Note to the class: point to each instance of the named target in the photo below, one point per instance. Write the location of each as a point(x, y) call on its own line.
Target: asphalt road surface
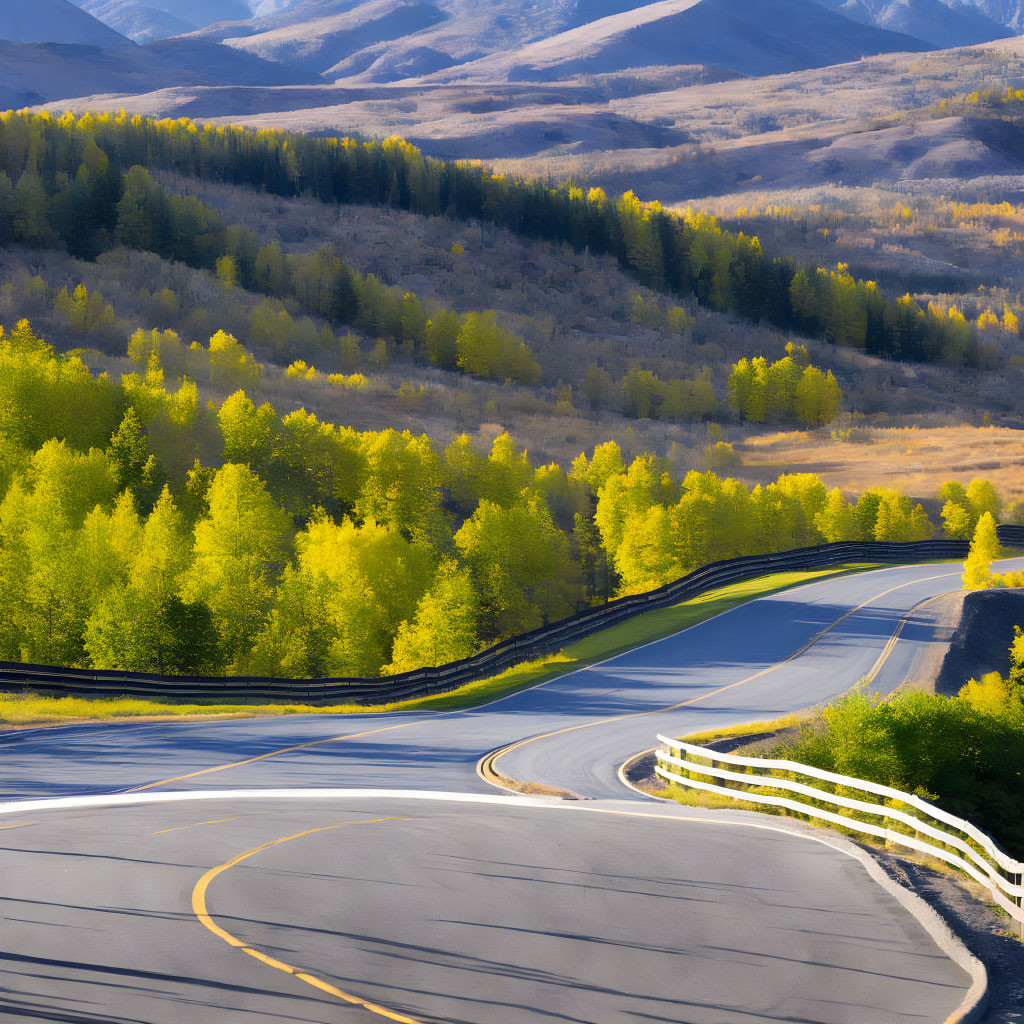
point(296, 907)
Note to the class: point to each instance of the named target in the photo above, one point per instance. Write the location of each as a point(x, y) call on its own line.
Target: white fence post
point(977, 855)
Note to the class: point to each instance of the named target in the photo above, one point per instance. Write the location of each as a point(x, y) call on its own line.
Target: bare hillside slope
point(932, 20)
point(767, 37)
point(54, 21)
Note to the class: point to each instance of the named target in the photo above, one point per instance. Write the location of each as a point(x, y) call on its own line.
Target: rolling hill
point(1007, 12)
point(319, 35)
point(146, 20)
point(36, 73)
point(137, 21)
point(932, 20)
point(54, 21)
point(768, 37)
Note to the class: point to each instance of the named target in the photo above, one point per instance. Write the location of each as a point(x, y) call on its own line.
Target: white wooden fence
point(905, 819)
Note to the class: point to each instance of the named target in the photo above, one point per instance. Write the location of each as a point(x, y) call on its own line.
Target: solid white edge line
point(971, 1008)
point(974, 1004)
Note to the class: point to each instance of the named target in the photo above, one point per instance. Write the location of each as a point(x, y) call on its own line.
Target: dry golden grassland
point(916, 460)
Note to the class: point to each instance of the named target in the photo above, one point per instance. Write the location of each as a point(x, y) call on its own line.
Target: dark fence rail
point(15, 677)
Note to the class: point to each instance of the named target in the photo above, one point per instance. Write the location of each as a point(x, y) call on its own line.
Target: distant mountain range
point(934, 21)
point(221, 58)
point(50, 49)
point(145, 22)
point(395, 40)
point(763, 38)
point(939, 22)
point(54, 21)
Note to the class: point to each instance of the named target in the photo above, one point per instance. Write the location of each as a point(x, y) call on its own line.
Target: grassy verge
point(32, 710)
point(748, 728)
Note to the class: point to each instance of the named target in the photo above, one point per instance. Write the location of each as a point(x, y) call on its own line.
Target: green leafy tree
point(78, 482)
point(106, 546)
point(250, 434)
point(227, 272)
point(50, 613)
point(983, 498)
point(230, 364)
point(647, 556)
point(239, 547)
point(592, 557)
point(899, 520)
point(134, 465)
point(402, 484)
point(442, 334)
point(985, 549)
point(627, 494)
point(711, 520)
point(507, 471)
point(597, 387)
point(464, 471)
point(958, 521)
point(486, 350)
point(837, 521)
point(642, 394)
point(338, 611)
point(143, 219)
point(809, 492)
point(595, 472)
point(443, 629)
point(817, 397)
point(520, 564)
point(31, 223)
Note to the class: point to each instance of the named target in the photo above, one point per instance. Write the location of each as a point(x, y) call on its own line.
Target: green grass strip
point(33, 710)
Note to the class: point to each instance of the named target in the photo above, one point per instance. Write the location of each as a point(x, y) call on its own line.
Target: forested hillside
point(140, 530)
point(69, 180)
point(187, 513)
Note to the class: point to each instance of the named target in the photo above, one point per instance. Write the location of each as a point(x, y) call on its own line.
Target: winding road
point(347, 868)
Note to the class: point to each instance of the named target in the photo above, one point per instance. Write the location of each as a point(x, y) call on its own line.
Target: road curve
point(506, 911)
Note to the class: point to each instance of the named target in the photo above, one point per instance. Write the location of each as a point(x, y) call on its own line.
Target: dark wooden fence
point(423, 682)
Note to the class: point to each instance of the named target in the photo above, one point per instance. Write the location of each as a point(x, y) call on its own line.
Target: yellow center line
point(4, 828)
point(486, 770)
point(894, 639)
point(272, 753)
point(486, 762)
point(201, 912)
point(179, 828)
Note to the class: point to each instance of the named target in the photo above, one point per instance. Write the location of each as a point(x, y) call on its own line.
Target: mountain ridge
point(756, 39)
point(934, 21)
point(55, 21)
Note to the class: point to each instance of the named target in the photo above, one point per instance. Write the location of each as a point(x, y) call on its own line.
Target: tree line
point(65, 179)
point(790, 390)
point(142, 530)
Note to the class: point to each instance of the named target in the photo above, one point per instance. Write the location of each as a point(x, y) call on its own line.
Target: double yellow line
point(487, 769)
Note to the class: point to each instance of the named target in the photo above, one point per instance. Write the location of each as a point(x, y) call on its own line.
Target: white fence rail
point(951, 839)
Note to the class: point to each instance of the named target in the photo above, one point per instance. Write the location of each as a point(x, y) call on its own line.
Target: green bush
point(964, 753)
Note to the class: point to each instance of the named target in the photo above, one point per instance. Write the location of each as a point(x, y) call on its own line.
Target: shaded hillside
point(137, 21)
point(770, 37)
point(940, 151)
point(38, 73)
point(934, 21)
point(956, 147)
point(320, 43)
point(146, 20)
point(1007, 12)
point(54, 21)
point(981, 643)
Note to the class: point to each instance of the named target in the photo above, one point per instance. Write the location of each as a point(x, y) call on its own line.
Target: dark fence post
point(19, 678)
